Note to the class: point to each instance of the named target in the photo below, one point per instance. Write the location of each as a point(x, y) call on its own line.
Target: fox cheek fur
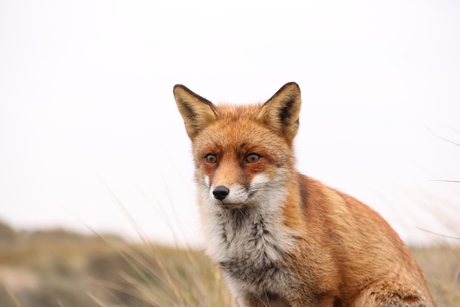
point(231, 182)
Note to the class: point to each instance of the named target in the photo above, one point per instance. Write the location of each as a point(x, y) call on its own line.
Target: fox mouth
point(229, 197)
point(229, 205)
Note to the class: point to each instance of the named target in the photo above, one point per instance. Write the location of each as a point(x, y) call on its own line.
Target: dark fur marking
point(237, 217)
point(244, 270)
point(303, 190)
point(189, 110)
point(269, 296)
point(285, 113)
point(258, 229)
point(224, 234)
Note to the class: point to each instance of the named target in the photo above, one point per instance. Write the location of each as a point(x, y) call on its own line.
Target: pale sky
point(87, 112)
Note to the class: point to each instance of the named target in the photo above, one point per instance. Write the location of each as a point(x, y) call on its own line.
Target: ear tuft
point(281, 112)
point(196, 111)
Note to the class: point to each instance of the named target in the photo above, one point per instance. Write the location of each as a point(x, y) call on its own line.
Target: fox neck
point(254, 234)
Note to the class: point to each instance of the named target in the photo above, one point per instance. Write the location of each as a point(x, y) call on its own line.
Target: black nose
point(220, 192)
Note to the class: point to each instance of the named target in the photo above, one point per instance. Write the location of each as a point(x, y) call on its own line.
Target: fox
point(281, 238)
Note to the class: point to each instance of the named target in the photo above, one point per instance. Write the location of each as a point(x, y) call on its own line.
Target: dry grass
point(173, 277)
point(57, 268)
point(441, 265)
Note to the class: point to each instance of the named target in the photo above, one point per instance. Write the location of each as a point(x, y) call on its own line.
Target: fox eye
point(210, 158)
point(252, 158)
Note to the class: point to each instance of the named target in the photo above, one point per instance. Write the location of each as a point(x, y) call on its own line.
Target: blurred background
point(89, 130)
point(95, 164)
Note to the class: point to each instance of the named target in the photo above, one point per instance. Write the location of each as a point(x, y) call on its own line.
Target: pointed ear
point(196, 111)
point(281, 112)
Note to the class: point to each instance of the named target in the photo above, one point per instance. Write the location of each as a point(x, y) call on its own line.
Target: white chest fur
point(249, 243)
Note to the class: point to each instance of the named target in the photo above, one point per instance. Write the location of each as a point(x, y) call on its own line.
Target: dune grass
point(59, 268)
point(441, 265)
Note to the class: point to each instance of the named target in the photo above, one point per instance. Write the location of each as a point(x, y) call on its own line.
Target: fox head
point(243, 154)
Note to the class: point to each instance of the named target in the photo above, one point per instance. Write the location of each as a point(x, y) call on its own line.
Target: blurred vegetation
point(60, 268)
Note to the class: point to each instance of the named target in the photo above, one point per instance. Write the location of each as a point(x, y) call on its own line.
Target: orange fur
point(281, 238)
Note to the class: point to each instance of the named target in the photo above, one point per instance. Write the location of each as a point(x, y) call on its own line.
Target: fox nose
point(220, 192)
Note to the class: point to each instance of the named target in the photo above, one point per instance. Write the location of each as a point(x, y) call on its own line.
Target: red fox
point(281, 238)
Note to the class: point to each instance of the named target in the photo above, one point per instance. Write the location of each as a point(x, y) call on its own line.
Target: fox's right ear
point(196, 111)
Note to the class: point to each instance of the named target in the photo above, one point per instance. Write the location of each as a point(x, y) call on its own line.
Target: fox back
point(279, 237)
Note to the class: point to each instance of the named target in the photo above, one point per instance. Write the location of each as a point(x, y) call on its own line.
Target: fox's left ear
point(281, 112)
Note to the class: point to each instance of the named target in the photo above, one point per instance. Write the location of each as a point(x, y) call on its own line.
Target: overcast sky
point(88, 120)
